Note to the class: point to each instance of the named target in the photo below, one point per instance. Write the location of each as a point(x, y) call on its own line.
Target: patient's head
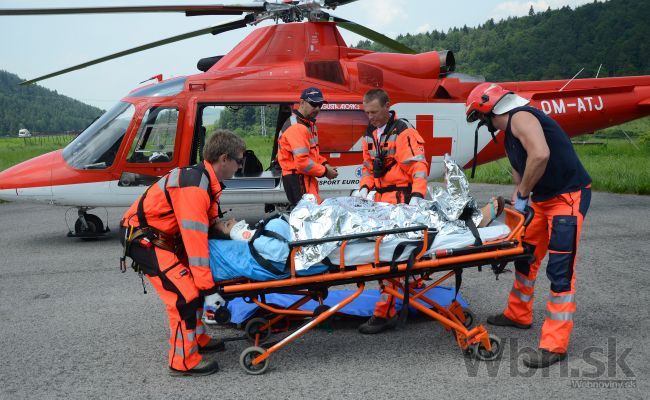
point(220, 229)
point(231, 229)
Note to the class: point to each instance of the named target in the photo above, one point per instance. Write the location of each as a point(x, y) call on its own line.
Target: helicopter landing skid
point(87, 226)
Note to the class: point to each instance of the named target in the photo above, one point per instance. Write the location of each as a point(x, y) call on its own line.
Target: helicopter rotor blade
point(235, 9)
point(369, 34)
point(335, 3)
point(214, 30)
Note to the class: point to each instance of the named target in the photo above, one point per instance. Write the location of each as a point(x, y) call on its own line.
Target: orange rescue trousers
point(171, 278)
point(555, 229)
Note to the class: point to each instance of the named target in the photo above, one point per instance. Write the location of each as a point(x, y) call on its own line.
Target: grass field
point(17, 150)
point(615, 166)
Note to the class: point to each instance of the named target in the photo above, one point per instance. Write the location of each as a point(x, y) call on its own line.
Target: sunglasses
point(315, 105)
point(239, 161)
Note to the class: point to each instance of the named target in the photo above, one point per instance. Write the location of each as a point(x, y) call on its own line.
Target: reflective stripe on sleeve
point(199, 261)
point(365, 173)
point(310, 165)
point(419, 157)
point(300, 150)
point(194, 226)
point(313, 141)
point(419, 174)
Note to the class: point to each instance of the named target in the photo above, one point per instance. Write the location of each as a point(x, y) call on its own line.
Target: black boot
point(502, 320)
point(205, 367)
point(542, 358)
point(214, 345)
point(377, 325)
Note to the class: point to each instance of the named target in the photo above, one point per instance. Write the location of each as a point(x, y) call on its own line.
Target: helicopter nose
point(30, 179)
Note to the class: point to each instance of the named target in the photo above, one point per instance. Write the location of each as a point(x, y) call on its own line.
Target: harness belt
point(394, 188)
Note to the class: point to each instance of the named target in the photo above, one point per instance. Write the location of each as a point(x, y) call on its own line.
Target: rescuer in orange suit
point(549, 176)
point(396, 168)
point(298, 151)
point(166, 235)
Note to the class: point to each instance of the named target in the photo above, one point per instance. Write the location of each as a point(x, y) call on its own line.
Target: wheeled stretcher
point(419, 267)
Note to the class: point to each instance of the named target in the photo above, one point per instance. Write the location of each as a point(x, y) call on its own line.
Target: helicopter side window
point(156, 136)
point(97, 146)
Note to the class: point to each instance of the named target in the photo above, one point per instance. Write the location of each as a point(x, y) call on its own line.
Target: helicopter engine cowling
point(429, 65)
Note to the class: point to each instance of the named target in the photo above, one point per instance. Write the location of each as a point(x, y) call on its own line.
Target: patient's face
point(224, 226)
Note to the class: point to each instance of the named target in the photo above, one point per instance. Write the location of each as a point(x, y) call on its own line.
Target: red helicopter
point(163, 125)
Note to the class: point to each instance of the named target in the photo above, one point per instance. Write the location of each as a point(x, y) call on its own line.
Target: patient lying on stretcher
point(233, 254)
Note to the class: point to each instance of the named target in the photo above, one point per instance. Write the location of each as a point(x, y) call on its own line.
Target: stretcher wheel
point(254, 327)
point(480, 353)
point(469, 318)
point(246, 360)
point(222, 315)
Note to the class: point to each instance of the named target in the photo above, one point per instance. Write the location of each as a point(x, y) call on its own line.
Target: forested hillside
point(38, 109)
point(548, 44)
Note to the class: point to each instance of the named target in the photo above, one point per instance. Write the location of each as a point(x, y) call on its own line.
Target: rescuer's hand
point(331, 172)
point(361, 193)
point(214, 301)
point(521, 203)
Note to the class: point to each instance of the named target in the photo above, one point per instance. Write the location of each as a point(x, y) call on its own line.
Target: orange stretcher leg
point(310, 325)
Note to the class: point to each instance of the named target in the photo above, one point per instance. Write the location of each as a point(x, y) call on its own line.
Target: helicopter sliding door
point(256, 124)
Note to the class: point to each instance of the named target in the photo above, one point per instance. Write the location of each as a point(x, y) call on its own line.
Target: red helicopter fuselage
point(161, 126)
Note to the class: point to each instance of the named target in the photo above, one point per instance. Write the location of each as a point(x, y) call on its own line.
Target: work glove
point(415, 200)
point(213, 301)
point(361, 193)
point(521, 203)
point(371, 195)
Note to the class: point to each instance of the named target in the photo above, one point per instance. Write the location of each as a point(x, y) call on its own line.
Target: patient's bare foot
point(491, 211)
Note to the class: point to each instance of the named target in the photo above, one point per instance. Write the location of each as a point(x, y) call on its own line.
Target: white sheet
point(364, 252)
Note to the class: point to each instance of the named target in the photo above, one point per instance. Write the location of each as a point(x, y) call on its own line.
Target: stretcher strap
point(458, 273)
point(260, 231)
point(466, 216)
point(407, 294)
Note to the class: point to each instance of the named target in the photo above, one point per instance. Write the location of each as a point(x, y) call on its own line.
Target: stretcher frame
point(475, 342)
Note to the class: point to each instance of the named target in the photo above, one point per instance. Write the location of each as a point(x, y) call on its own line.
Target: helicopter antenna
point(571, 80)
point(598, 72)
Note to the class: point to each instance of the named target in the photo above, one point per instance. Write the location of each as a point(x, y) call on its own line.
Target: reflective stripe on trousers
point(555, 230)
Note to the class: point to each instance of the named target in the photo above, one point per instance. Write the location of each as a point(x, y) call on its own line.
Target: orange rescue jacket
point(184, 202)
point(406, 167)
point(298, 150)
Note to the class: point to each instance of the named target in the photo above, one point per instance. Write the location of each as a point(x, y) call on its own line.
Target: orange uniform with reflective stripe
point(406, 175)
point(404, 157)
point(180, 278)
point(555, 229)
point(299, 153)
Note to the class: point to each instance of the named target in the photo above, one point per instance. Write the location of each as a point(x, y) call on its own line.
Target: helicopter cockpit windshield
point(97, 146)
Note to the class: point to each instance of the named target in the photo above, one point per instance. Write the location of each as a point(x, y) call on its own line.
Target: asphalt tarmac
point(74, 327)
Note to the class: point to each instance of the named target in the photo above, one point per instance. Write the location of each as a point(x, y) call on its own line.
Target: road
point(74, 327)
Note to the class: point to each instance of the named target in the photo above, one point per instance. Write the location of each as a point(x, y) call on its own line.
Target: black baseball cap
point(312, 95)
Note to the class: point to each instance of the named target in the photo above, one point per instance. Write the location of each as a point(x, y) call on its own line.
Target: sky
point(36, 45)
